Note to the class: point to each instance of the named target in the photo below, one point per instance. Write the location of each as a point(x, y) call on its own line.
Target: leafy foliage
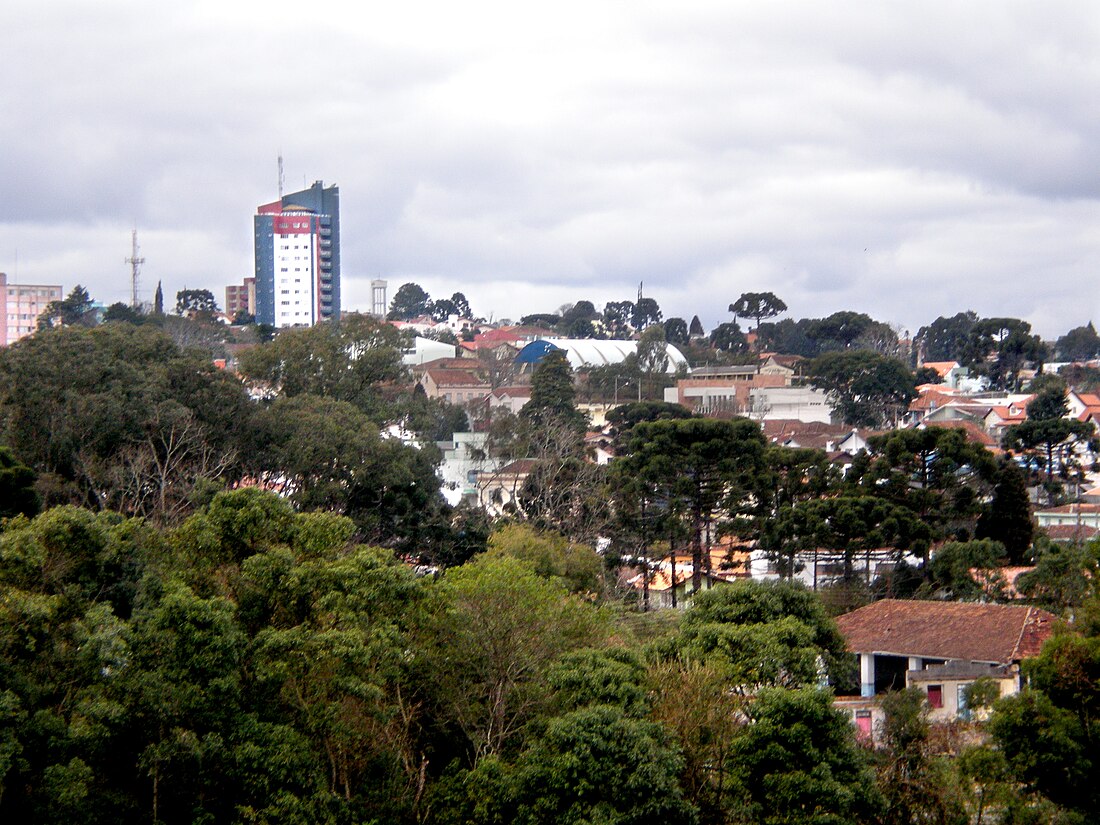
point(758, 306)
point(410, 301)
point(866, 389)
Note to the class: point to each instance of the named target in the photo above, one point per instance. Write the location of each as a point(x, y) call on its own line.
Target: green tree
point(551, 556)
point(122, 313)
point(845, 525)
point(916, 786)
point(76, 309)
point(702, 469)
point(624, 417)
point(1064, 576)
point(79, 406)
point(617, 317)
point(676, 331)
point(946, 339)
point(545, 320)
point(614, 676)
point(773, 634)
point(645, 313)
point(580, 311)
point(798, 762)
point(839, 331)
point(17, 493)
point(1050, 441)
point(195, 302)
point(553, 395)
point(494, 630)
point(599, 765)
point(866, 389)
point(653, 351)
point(348, 362)
point(952, 562)
point(1048, 732)
point(936, 472)
point(462, 306)
point(1079, 344)
point(410, 301)
point(758, 306)
point(1008, 518)
point(1012, 346)
point(727, 338)
point(443, 309)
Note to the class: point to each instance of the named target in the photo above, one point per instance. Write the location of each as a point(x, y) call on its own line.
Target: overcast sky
point(902, 159)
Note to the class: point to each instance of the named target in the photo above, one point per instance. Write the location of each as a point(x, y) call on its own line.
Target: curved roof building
point(589, 352)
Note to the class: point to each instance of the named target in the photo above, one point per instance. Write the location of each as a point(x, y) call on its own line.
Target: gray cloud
point(904, 161)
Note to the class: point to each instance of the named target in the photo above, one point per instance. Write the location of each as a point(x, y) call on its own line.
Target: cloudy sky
point(903, 159)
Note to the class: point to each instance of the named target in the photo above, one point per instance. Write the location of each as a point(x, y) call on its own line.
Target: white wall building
point(789, 403)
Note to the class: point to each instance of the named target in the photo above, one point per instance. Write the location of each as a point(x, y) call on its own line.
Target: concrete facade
point(23, 303)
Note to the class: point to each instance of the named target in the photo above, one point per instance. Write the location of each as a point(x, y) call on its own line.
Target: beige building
point(241, 297)
point(456, 386)
point(23, 303)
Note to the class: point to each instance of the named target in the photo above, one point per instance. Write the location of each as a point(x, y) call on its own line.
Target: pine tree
point(1008, 519)
point(158, 301)
point(553, 396)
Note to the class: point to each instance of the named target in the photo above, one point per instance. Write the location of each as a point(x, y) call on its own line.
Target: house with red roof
point(456, 386)
point(896, 639)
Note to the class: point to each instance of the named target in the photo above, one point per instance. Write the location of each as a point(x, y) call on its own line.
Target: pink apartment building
point(23, 303)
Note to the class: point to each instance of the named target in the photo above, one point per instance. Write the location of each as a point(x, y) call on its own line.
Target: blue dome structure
point(584, 353)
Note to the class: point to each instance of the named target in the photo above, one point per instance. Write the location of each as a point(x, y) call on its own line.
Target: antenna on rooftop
point(135, 269)
point(280, 175)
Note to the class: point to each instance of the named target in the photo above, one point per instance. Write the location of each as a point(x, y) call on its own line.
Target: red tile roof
point(948, 630)
point(1071, 532)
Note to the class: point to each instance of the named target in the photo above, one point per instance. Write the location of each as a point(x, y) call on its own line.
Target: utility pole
point(135, 269)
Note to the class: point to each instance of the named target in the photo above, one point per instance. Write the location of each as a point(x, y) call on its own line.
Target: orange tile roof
point(941, 367)
point(948, 630)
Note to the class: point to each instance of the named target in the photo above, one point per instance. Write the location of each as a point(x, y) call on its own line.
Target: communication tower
point(135, 263)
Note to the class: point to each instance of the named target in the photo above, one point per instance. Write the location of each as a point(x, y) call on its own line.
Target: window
point(964, 711)
point(863, 725)
point(935, 696)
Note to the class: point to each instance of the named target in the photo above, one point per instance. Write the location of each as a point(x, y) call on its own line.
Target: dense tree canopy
point(410, 301)
point(703, 471)
point(345, 362)
point(866, 389)
point(1079, 344)
point(87, 409)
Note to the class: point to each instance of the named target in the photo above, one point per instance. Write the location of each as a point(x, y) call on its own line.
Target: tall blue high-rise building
point(298, 258)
